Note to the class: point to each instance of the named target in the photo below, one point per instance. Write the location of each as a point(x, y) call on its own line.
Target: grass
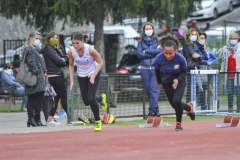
point(14, 108)
point(166, 119)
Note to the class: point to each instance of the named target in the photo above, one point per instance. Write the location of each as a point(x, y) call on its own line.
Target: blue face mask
point(37, 42)
point(233, 42)
point(193, 38)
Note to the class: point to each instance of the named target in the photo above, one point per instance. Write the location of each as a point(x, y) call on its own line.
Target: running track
point(200, 140)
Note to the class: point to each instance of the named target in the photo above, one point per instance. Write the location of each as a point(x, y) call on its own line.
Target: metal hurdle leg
point(194, 74)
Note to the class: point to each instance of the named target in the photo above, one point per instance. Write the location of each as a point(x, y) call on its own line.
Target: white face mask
point(149, 33)
point(9, 71)
point(233, 42)
point(37, 42)
point(193, 38)
point(202, 41)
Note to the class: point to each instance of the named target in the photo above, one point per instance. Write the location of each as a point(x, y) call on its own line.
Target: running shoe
point(190, 113)
point(54, 122)
point(178, 127)
point(85, 119)
point(104, 102)
point(98, 126)
point(56, 115)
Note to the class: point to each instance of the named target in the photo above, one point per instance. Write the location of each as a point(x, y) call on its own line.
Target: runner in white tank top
point(89, 64)
point(85, 63)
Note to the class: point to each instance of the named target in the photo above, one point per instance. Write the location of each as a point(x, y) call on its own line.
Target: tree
point(94, 11)
point(37, 13)
point(42, 14)
point(167, 12)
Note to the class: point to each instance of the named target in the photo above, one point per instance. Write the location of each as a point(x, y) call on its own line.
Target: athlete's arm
point(96, 56)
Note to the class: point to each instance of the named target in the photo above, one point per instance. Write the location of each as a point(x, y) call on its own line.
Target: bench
point(7, 94)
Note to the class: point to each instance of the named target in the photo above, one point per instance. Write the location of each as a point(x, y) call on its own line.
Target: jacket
point(53, 60)
point(36, 66)
point(147, 53)
point(225, 54)
point(188, 50)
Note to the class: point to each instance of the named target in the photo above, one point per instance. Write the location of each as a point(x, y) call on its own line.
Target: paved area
point(16, 122)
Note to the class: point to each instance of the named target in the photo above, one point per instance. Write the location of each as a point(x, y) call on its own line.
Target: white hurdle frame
point(194, 74)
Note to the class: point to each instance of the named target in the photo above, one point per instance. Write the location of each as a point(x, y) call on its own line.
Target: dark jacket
point(147, 58)
point(36, 66)
point(188, 50)
point(53, 60)
point(204, 56)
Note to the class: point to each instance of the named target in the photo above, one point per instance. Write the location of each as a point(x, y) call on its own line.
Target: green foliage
point(169, 13)
point(42, 14)
point(37, 13)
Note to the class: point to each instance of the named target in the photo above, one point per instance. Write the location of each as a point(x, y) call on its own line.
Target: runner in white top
point(89, 64)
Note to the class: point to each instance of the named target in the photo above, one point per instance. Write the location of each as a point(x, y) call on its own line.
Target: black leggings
point(60, 88)
point(88, 92)
point(175, 98)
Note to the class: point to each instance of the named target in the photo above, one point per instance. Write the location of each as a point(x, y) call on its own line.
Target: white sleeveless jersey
point(85, 64)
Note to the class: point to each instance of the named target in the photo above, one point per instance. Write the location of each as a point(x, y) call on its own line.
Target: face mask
point(54, 41)
point(9, 71)
point(37, 42)
point(193, 38)
point(148, 32)
point(233, 42)
point(202, 41)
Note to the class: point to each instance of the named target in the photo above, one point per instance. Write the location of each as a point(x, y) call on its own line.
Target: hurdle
point(194, 75)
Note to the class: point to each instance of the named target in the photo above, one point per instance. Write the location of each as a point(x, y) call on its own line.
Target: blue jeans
point(231, 90)
point(152, 89)
point(19, 91)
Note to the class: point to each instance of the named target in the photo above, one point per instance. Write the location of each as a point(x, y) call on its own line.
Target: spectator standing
point(171, 70)
point(35, 93)
point(147, 50)
point(54, 62)
point(203, 65)
point(194, 58)
point(231, 64)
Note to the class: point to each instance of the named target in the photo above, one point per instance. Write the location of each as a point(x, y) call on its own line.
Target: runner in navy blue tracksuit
point(170, 68)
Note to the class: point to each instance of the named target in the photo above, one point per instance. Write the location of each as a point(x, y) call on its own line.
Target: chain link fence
point(126, 97)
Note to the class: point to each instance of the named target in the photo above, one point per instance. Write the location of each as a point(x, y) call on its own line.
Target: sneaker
point(190, 113)
point(54, 122)
point(178, 127)
point(98, 126)
point(61, 113)
point(56, 115)
point(104, 102)
point(85, 119)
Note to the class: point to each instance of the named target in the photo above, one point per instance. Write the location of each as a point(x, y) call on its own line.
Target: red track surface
point(200, 140)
